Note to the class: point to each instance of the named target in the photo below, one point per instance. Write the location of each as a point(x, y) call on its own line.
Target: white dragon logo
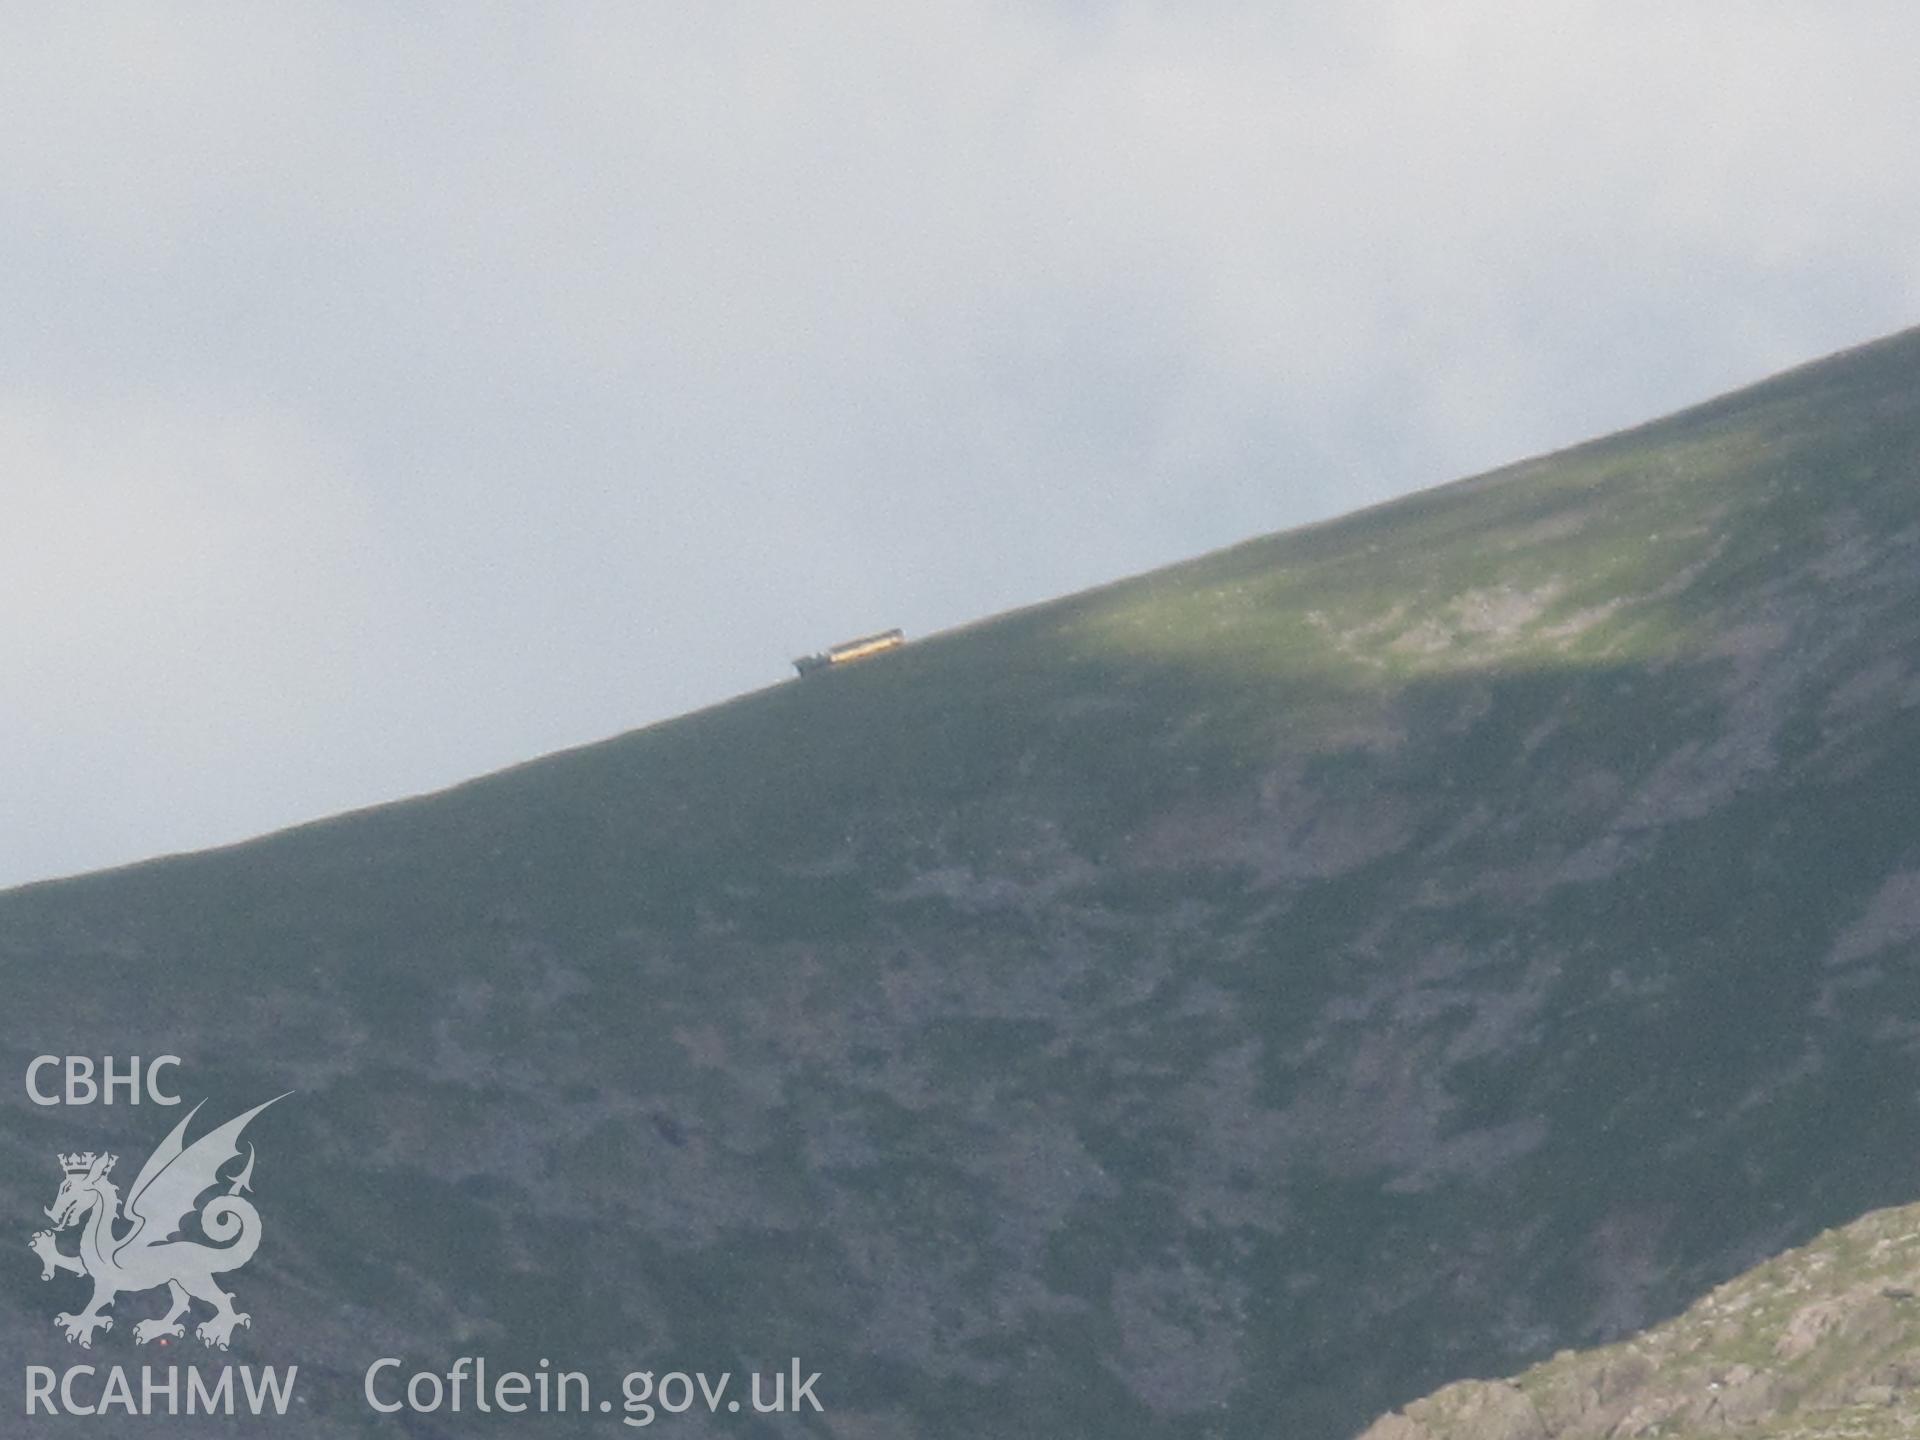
point(148, 1254)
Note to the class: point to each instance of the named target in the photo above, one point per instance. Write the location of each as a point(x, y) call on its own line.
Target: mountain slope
point(1231, 1002)
point(1822, 1343)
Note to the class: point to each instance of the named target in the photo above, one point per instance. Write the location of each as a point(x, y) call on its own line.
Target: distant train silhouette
point(847, 651)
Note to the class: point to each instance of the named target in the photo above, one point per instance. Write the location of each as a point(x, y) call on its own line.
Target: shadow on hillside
point(1387, 1034)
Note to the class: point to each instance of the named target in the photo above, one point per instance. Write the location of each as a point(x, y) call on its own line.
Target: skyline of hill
point(1234, 1001)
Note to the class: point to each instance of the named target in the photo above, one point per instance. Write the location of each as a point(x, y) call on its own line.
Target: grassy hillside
point(1229, 1003)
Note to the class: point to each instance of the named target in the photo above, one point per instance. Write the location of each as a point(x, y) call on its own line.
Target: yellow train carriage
point(848, 651)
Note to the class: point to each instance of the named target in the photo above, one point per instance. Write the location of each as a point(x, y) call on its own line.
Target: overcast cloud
point(392, 393)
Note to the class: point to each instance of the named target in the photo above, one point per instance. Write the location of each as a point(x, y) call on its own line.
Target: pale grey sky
point(388, 394)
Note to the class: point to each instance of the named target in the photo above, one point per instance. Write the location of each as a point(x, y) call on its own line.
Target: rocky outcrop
point(1822, 1343)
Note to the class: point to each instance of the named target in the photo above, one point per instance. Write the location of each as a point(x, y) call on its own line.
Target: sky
point(390, 393)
